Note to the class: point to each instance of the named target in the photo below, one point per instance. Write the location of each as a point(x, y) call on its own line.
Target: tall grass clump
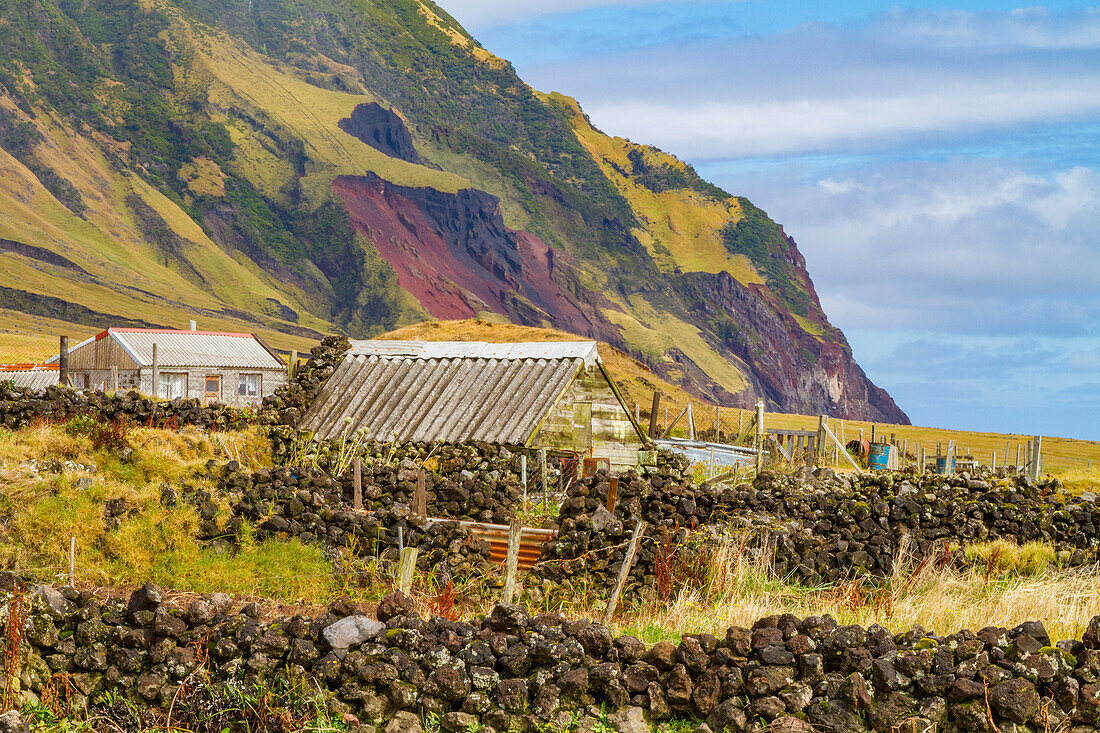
point(737, 587)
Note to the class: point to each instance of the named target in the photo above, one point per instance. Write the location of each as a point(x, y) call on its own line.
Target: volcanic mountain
point(293, 167)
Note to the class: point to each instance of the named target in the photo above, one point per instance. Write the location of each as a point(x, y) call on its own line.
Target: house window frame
point(242, 389)
point(165, 383)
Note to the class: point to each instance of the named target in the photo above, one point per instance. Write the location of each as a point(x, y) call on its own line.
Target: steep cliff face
point(790, 366)
point(293, 168)
point(383, 130)
point(453, 253)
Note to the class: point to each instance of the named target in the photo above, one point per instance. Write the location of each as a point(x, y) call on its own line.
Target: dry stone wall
point(296, 503)
point(20, 407)
point(820, 528)
point(514, 672)
point(477, 481)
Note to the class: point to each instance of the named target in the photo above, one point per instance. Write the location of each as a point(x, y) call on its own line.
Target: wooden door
point(213, 390)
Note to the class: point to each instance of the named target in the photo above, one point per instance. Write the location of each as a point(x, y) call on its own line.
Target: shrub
point(112, 436)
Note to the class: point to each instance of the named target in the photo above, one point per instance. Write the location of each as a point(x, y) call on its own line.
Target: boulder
point(351, 631)
point(393, 605)
point(146, 598)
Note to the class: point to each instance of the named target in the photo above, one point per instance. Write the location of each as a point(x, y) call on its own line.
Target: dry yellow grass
point(740, 590)
point(944, 603)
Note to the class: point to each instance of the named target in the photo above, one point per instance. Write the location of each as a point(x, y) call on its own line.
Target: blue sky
point(938, 165)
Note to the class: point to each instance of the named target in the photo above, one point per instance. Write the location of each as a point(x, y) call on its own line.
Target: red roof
point(172, 330)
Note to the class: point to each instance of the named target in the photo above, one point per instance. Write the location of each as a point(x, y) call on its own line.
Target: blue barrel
point(878, 459)
point(943, 467)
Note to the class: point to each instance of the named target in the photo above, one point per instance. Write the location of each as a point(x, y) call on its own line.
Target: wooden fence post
point(1017, 466)
point(637, 414)
point(292, 365)
point(406, 568)
point(1036, 457)
point(420, 495)
point(717, 423)
point(822, 448)
point(691, 423)
point(624, 571)
point(63, 363)
point(72, 562)
point(653, 414)
point(156, 372)
point(758, 442)
point(357, 484)
point(511, 563)
point(612, 493)
point(523, 476)
point(542, 469)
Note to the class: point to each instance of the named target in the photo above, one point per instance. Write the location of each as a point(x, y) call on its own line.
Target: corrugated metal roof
point(465, 349)
point(213, 349)
point(404, 396)
point(37, 377)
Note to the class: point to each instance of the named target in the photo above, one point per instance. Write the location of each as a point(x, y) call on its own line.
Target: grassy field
point(55, 484)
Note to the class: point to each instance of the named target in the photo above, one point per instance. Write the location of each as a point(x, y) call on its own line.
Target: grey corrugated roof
point(36, 379)
point(462, 349)
point(401, 396)
point(214, 349)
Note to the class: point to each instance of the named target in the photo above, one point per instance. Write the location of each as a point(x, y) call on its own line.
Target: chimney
point(194, 326)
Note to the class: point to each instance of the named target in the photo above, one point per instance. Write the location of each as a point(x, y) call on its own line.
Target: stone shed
point(213, 366)
point(554, 395)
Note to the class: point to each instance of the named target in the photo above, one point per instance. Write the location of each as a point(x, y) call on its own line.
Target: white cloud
point(967, 246)
point(734, 128)
point(474, 14)
point(1034, 27)
point(903, 76)
point(1087, 360)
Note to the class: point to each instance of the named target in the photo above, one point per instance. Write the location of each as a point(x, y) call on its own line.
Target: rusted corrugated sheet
point(450, 399)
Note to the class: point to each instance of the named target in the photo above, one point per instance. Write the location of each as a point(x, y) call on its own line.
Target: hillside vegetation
point(234, 162)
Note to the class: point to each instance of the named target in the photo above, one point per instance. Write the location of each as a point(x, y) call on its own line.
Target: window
point(248, 385)
point(172, 385)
